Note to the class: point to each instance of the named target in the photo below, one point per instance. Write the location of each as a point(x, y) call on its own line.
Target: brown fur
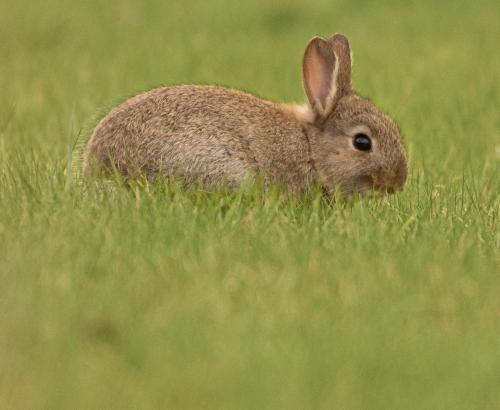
point(221, 136)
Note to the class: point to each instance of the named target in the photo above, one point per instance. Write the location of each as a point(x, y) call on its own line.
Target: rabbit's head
point(355, 147)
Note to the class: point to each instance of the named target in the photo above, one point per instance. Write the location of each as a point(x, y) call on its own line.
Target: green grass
point(159, 298)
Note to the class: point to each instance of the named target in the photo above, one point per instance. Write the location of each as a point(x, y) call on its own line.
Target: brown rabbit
point(219, 136)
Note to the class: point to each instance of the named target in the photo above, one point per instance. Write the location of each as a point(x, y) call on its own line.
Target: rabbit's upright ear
point(342, 51)
point(326, 73)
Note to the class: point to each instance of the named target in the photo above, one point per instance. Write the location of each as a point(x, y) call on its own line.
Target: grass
point(162, 298)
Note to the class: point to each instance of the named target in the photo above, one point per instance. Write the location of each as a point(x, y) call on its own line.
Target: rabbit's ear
point(342, 51)
point(319, 74)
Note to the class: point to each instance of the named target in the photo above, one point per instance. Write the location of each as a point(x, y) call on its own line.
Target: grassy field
point(168, 299)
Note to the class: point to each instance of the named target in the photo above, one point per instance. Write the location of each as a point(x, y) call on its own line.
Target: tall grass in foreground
point(156, 296)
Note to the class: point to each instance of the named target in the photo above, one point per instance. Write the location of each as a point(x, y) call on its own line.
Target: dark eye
point(362, 142)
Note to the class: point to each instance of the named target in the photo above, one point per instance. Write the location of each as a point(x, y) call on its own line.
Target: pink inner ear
point(319, 63)
point(320, 77)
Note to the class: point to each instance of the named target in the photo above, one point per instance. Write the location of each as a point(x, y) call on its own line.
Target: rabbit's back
point(207, 133)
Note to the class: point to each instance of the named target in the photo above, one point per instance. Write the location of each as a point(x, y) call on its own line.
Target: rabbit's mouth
point(368, 186)
point(365, 186)
point(361, 187)
point(383, 184)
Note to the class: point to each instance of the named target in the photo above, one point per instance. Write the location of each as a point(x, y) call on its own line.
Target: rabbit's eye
point(362, 142)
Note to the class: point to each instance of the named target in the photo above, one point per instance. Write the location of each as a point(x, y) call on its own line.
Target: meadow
point(165, 298)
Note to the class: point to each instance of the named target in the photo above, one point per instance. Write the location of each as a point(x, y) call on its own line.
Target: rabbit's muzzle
point(389, 180)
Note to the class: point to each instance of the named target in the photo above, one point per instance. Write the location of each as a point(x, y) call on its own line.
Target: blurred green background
point(169, 299)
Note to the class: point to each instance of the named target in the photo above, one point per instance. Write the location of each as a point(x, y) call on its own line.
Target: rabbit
point(218, 136)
